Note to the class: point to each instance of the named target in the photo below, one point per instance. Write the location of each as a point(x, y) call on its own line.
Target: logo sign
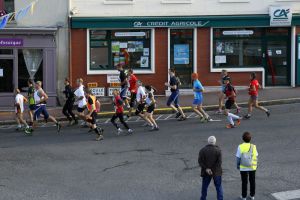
point(239, 32)
point(280, 16)
point(98, 92)
point(11, 42)
point(113, 78)
point(148, 24)
point(130, 34)
point(111, 89)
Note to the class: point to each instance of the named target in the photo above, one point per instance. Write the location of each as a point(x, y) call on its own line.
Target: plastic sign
point(111, 89)
point(238, 32)
point(98, 92)
point(280, 16)
point(192, 23)
point(130, 34)
point(113, 78)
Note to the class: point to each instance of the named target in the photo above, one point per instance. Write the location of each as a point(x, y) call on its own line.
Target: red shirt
point(119, 104)
point(229, 89)
point(133, 83)
point(254, 84)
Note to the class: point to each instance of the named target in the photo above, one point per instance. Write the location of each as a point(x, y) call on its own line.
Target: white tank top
point(37, 98)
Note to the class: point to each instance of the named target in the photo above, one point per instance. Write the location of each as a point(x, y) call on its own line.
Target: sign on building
point(98, 92)
point(113, 78)
point(111, 89)
point(280, 16)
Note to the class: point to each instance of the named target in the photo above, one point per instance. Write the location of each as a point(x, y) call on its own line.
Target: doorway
point(6, 75)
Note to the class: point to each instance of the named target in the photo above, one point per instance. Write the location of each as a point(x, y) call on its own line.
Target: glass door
point(6, 75)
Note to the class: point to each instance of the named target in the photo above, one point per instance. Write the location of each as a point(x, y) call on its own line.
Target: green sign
point(151, 24)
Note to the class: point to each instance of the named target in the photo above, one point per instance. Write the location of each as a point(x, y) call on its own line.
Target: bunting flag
point(4, 21)
point(32, 6)
point(22, 13)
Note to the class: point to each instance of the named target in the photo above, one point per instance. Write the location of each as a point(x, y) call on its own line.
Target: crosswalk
point(134, 119)
point(287, 195)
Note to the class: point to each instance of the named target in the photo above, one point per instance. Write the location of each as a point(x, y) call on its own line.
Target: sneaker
point(182, 118)
point(268, 113)
point(58, 126)
point(28, 131)
point(238, 122)
point(219, 112)
point(130, 131)
point(230, 126)
point(99, 137)
point(247, 116)
point(19, 128)
point(203, 120)
point(119, 131)
point(178, 114)
point(146, 124)
point(154, 128)
point(243, 198)
point(252, 198)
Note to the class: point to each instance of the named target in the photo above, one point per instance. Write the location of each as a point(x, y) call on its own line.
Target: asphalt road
point(146, 165)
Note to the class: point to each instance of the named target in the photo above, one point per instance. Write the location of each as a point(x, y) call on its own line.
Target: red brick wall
point(79, 59)
point(208, 78)
point(298, 30)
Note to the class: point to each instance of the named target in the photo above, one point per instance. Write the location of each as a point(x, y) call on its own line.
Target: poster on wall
point(220, 47)
point(146, 52)
point(139, 46)
point(115, 47)
point(229, 47)
point(123, 45)
point(220, 59)
point(1, 72)
point(181, 54)
point(144, 61)
point(131, 46)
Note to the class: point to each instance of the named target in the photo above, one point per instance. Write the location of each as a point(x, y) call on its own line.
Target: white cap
point(212, 140)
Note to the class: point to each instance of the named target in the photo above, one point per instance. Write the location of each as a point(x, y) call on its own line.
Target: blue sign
point(181, 54)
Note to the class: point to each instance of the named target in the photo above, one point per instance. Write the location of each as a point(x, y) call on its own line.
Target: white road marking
point(190, 115)
point(159, 117)
point(168, 117)
point(287, 195)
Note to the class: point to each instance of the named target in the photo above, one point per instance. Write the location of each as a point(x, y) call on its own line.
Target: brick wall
point(208, 78)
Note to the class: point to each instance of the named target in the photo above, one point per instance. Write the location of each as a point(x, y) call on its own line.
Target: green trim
point(176, 22)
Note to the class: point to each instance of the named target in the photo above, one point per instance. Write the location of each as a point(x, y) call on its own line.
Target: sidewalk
point(267, 97)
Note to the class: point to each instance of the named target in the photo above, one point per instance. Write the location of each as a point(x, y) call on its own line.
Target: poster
point(220, 47)
point(139, 46)
point(131, 46)
point(220, 59)
point(1, 72)
point(146, 52)
point(144, 61)
point(181, 54)
point(115, 47)
point(228, 47)
point(278, 52)
point(123, 45)
point(113, 78)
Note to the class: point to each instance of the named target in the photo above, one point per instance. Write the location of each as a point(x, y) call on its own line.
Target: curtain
point(33, 59)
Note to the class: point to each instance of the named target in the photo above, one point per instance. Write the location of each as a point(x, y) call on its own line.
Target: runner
point(151, 105)
point(40, 98)
point(253, 100)
point(231, 96)
point(68, 107)
point(92, 115)
point(140, 99)
point(174, 97)
point(133, 90)
point(30, 96)
point(118, 102)
point(124, 85)
point(19, 109)
point(198, 99)
point(80, 99)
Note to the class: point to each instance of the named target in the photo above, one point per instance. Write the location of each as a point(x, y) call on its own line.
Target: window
point(6, 75)
point(237, 48)
point(119, 1)
point(110, 48)
point(176, 1)
point(6, 51)
point(181, 54)
point(7, 6)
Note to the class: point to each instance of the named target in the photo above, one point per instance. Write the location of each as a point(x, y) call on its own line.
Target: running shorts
point(40, 109)
point(140, 108)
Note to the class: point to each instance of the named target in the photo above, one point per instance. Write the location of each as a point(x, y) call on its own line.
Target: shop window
point(6, 75)
point(6, 51)
point(111, 48)
point(30, 66)
point(181, 54)
point(237, 48)
point(8, 6)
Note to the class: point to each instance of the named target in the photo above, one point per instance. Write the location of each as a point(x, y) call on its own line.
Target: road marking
point(168, 117)
point(159, 117)
point(287, 195)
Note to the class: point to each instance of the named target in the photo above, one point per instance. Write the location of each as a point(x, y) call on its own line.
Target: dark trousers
point(67, 110)
point(218, 184)
point(121, 118)
point(244, 176)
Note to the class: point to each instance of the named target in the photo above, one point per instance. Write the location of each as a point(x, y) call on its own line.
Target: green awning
point(176, 22)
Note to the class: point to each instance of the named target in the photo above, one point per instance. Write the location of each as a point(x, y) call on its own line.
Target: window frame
point(114, 71)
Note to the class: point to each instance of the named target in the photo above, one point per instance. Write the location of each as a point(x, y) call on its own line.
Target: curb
point(186, 109)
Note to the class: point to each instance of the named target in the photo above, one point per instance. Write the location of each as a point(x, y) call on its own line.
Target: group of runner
point(142, 100)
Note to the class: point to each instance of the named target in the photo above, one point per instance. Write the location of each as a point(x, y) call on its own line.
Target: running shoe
point(178, 114)
point(99, 137)
point(119, 131)
point(230, 126)
point(154, 128)
point(146, 124)
point(238, 122)
point(247, 116)
point(182, 118)
point(28, 131)
point(268, 113)
point(130, 131)
point(19, 128)
point(58, 126)
point(203, 120)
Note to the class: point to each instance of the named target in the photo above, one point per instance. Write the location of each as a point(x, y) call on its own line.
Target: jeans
point(218, 184)
point(244, 176)
point(67, 110)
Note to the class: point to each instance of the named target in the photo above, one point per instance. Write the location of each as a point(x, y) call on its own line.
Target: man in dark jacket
point(210, 161)
point(70, 99)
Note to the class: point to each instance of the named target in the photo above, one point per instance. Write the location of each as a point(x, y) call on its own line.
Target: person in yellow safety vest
point(247, 164)
point(92, 115)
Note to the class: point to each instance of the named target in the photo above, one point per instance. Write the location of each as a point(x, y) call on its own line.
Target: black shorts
point(80, 110)
point(94, 117)
point(151, 108)
point(32, 107)
point(132, 100)
point(229, 103)
point(140, 108)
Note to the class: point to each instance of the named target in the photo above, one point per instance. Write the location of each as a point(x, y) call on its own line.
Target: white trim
point(169, 53)
point(293, 57)
point(136, 71)
point(195, 42)
point(118, 2)
point(219, 70)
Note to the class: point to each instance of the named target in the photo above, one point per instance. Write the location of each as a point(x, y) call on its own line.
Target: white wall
point(159, 8)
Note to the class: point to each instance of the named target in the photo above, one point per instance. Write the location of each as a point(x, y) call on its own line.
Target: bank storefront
point(152, 45)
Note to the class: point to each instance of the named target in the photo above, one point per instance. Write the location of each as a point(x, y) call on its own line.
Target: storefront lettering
point(171, 24)
point(280, 16)
point(11, 42)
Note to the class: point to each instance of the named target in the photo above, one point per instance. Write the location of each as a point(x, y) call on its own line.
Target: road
point(146, 165)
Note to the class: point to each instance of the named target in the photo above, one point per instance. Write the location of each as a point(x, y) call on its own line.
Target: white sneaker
point(243, 198)
point(119, 131)
point(130, 131)
point(252, 198)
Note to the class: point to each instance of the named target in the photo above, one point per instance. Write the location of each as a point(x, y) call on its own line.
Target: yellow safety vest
point(89, 106)
point(244, 148)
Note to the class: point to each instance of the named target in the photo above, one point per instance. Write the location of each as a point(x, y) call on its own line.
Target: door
point(6, 75)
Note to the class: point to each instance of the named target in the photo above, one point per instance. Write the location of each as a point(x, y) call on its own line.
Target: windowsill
point(118, 2)
point(106, 72)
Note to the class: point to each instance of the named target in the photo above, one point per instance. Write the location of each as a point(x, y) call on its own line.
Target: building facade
point(36, 47)
point(201, 36)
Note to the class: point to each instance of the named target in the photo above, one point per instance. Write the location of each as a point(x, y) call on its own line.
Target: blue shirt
point(198, 86)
